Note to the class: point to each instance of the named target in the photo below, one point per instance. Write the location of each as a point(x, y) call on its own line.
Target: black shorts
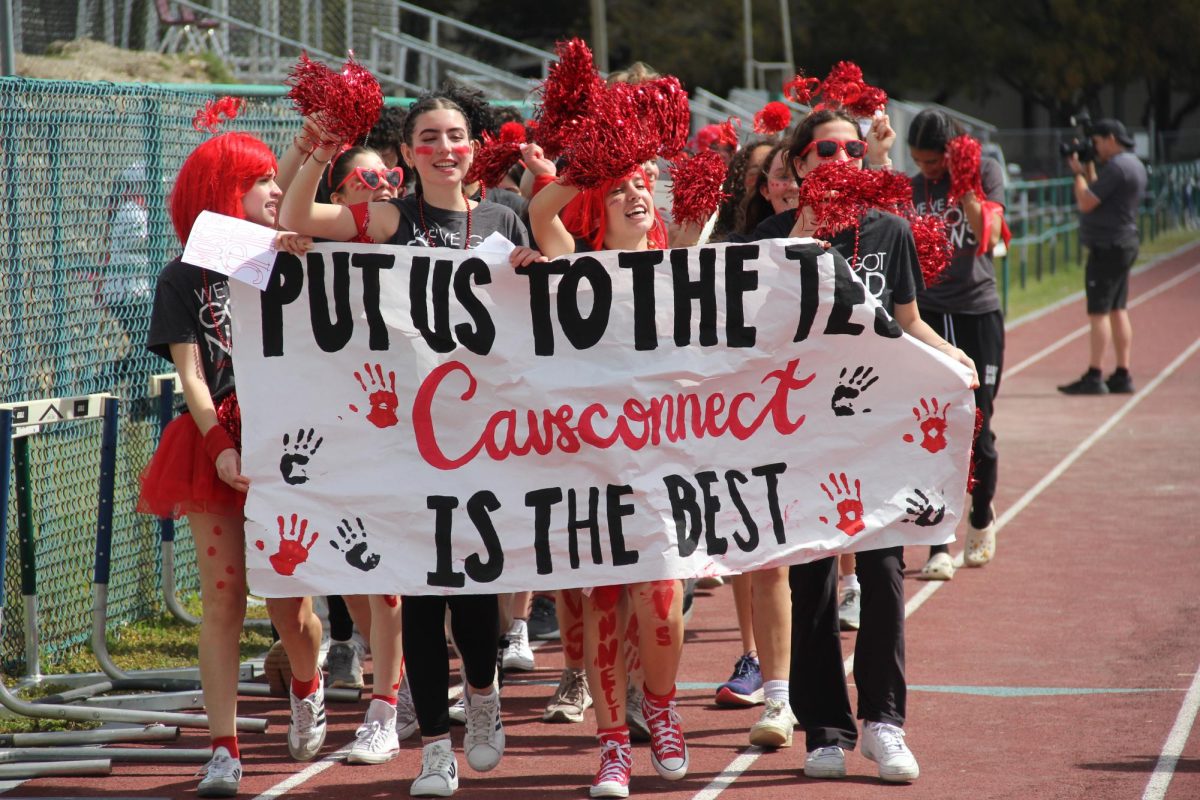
point(1106, 276)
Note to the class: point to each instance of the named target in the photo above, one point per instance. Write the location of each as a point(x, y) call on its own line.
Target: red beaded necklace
point(429, 234)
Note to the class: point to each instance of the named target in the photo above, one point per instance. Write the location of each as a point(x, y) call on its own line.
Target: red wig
point(216, 176)
point(586, 216)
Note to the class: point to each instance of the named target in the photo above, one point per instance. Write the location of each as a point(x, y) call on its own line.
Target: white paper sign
point(418, 421)
point(235, 247)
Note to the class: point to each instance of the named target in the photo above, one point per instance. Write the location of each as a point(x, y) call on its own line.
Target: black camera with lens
point(1081, 146)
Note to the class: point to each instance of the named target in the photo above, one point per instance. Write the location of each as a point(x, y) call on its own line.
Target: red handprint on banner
point(849, 507)
point(292, 550)
point(931, 423)
point(382, 399)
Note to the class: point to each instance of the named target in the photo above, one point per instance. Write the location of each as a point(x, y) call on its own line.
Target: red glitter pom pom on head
point(347, 102)
point(843, 88)
point(566, 95)
point(962, 160)
point(696, 187)
point(494, 160)
point(729, 132)
point(512, 132)
point(215, 112)
point(773, 118)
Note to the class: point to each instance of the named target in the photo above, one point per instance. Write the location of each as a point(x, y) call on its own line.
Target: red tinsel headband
point(217, 112)
point(843, 88)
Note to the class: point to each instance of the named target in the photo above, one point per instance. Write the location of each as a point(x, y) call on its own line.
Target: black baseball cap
point(1111, 127)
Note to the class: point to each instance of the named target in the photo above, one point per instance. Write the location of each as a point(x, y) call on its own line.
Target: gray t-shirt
point(1120, 184)
point(442, 228)
point(969, 284)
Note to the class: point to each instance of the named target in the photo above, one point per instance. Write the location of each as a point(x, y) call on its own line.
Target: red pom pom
point(707, 136)
point(801, 90)
point(209, 118)
point(348, 102)
point(974, 438)
point(494, 160)
point(843, 88)
point(773, 118)
point(729, 132)
point(962, 156)
point(933, 245)
point(696, 187)
point(840, 193)
point(566, 94)
point(512, 132)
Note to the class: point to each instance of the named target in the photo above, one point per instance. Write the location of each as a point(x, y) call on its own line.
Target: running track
point(1068, 668)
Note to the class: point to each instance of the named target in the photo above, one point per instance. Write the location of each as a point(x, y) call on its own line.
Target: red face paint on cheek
point(461, 150)
point(423, 150)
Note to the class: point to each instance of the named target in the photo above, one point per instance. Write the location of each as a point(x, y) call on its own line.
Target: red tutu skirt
point(181, 479)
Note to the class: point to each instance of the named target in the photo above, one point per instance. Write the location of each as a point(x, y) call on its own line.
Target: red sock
point(659, 700)
point(229, 743)
point(389, 699)
point(303, 689)
point(620, 735)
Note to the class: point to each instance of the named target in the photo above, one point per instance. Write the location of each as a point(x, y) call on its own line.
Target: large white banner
point(423, 421)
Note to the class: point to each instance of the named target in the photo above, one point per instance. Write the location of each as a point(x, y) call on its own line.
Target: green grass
point(1068, 276)
point(160, 642)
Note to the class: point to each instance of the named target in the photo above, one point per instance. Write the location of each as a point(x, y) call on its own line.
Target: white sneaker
point(518, 655)
point(825, 762)
point(884, 744)
point(221, 776)
point(774, 727)
point(344, 663)
point(439, 771)
point(375, 740)
point(406, 712)
point(484, 741)
point(306, 729)
point(458, 711)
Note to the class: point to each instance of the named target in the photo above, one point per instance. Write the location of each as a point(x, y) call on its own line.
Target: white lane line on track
point(1069, 299)
point(748, 756)
point(311, 771)
point(1078, 332)
point(1164, 770)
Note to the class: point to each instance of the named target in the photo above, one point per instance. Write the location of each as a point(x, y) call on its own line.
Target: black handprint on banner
point(354, 546)
point(849, 389)
point(924, 512)
point(296, 455)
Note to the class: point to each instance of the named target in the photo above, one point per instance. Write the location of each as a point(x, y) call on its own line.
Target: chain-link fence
point(84, 234)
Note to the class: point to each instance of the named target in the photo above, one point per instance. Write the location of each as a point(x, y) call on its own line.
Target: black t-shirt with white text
point(968, 286)
point(191, 306)
point(886, 258)
point(443, 228)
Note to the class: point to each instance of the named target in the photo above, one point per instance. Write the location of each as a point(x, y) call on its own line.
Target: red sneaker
point(616, 761)
point(667, 748)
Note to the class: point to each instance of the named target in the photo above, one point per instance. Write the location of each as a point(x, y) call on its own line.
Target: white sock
point(776, 690)
point(380, 711)
point(849, 581)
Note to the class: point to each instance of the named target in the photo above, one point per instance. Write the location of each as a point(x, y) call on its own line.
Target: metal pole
point(8, 58)
point(785, 20)
point(748, 40)
point(600, 34)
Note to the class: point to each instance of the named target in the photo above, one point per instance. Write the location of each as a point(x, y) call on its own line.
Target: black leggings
point(475, 621)
point(341, 626)
point(819, 696)
point(981, 336)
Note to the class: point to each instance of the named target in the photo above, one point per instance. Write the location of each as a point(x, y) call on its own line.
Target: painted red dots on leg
point(220, 584)
point(216, 530)
point(392, 600)
point(229, 570)
point(212, 551)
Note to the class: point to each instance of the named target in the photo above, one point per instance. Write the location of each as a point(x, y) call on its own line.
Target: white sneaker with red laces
point(668, 751)
point(616, 762)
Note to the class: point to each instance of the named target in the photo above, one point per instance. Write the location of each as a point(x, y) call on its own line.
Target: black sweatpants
point(981, 336)
point(820, 699)
point(475, 621)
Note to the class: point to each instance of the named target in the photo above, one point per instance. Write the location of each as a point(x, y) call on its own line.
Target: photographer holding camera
point(1108, 199)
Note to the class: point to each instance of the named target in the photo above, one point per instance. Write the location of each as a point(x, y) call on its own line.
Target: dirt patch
point(88, 60)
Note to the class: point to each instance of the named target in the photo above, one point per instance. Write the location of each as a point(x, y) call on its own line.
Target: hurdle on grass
point(64, 410)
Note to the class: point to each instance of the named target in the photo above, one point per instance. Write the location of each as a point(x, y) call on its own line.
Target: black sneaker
point(1120, 383)
point(543, 621)
point(1090, 383)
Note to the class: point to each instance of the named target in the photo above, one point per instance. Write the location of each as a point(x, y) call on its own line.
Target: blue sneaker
point(745, 685)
